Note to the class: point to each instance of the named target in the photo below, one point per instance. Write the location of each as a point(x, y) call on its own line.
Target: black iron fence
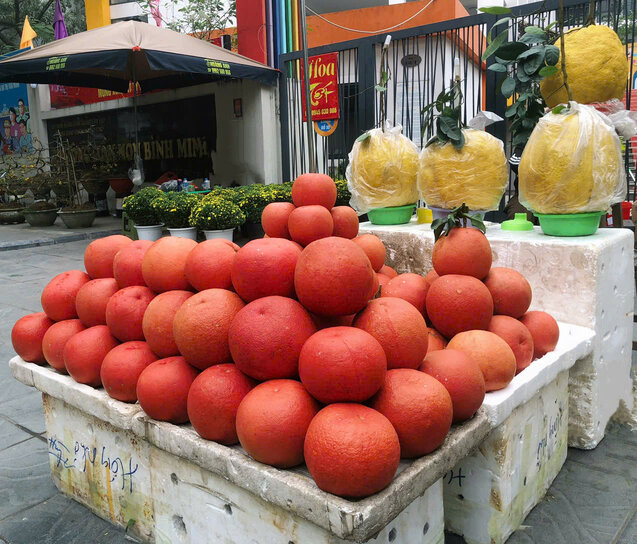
point(422, 62)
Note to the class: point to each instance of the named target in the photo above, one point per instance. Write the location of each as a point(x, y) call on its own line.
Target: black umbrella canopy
point(112, 56)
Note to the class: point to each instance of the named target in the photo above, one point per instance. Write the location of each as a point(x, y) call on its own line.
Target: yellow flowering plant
point(139, 206)
point(216, 213)
point(174, 208)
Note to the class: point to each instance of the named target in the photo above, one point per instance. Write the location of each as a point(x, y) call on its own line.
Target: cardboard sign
point(323, 87)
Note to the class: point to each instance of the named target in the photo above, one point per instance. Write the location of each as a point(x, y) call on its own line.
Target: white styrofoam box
point(290, 493)
point(488, 494)
point(575, 343)
point(586, 281)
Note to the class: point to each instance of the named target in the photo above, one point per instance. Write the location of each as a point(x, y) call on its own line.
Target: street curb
point(25, 244)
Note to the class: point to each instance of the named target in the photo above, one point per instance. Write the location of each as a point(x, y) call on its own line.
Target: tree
point(40, 12)
point(195, 16)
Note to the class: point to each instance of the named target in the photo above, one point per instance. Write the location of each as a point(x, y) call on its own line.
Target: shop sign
point(323, 87)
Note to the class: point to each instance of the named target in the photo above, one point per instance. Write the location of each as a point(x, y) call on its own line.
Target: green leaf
point(496, 10)
point(558, 109)
point(130, 525)
point(535, 50)
point(449, 127)
point(495, 44)
point(497, 23)
point(549, 27)
point(534, 63)
point(522, 75)
point(548, 71)
point(497, 67)
point(380, 89)
point(533, 38)
point(511, 110)
point(478, 223)
point(508, 87)
point(363, 136)
point(533, 30)
point(511, 50)
point(551, 55)
point(459, 143)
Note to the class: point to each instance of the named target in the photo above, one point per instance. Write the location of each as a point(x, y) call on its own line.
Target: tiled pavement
point(592, 501)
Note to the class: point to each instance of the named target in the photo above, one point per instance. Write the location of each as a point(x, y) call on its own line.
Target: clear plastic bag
point(572, 163)
point(382, 170)
point(477, 174)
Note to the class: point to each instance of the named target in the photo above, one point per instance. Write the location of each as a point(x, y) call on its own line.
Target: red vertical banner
point(323, 87)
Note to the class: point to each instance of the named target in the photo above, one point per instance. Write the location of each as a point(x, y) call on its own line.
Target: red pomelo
point(459, 303)
point(410, 287)
point(388, 271)
point(201, 327)
point(462, 378)
point(519, 338)
point(100, 253)
point(351, 450)
point(334, 277)
point(342, 364)
point(209, 265)
point(121, 369)
point(267, 335)
point(418, 406)
point(127, 264)
point(272, 420)
point(56, 338)
point(464, 251)
point(324, 322)
point(27, 336)
point(544, 330)
point(510, 290)
point(125, 312)
point(436, 341)
point(400, 329)
point(310, 223)
point(84, 353)
point(163, 267)
point(58, 297)
point(213, 401)
point(314, 189)
point(158, 322)
point(265, 267)
point(373, 248)
point(91, 301)
point(162, 389)
point(274, 219)
point(345, 222)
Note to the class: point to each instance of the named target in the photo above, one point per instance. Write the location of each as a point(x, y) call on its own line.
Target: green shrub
point(174, 209)
point(216, 214)
point(342, 193)
point(139, 206)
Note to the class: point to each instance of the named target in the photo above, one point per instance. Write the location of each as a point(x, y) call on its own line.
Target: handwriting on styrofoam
point(543, 449)
point(80, 456)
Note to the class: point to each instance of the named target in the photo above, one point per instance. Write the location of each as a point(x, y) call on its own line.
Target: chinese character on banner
point(323, 87)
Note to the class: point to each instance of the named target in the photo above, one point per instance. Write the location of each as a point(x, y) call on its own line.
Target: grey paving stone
point(24, 477)
point(11, 434)
point(24, 295)
point(629, 534)
point(59, 520)
point(26, 410)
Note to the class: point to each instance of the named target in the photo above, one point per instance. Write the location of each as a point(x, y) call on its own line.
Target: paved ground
point(592, 501)
point(24, 235)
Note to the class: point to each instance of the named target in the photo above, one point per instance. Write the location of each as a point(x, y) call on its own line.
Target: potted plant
point(139, 208)
point(41, 214)
point(11, 212)
point(174, 211)
point(217, 217)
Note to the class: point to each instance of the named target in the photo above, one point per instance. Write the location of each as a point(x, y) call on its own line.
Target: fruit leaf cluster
point(139, 206)
point(216, 213)
point(445, 113)
point(457, 218)
point(523, 63)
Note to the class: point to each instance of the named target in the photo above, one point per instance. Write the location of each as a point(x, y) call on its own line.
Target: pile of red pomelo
point(302, 346)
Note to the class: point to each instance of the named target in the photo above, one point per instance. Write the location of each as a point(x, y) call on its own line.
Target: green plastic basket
point(395, 215)
point(576, 224)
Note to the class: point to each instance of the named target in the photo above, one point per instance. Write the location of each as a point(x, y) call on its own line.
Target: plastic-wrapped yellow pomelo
point(572, 163)
point(596, 67)
point(476, 174)
point(382, 170)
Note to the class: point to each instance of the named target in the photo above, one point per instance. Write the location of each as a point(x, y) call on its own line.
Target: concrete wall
point(248, 148)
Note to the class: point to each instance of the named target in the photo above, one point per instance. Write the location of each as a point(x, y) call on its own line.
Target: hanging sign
point(325, 128)
point(323, 87)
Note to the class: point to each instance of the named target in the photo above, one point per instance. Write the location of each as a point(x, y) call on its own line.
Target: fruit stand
point(166, 484)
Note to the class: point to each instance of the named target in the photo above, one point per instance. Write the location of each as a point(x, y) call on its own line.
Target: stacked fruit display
point(318, 354)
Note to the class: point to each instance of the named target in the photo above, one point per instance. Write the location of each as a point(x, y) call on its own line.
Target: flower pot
point(393, 215)
point(252, 230)
point(225, 234)
point(121, 186)
point(11, 215)
point(574, 224)
point(81, 219)
point(187, 232)
point(41, 218)
point(148, 232)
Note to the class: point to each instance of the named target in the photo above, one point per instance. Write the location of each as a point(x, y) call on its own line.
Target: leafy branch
point(444, 112)
point(456, 219)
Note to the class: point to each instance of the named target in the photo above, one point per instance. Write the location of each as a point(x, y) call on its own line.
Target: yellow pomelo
point(596, 67)
point(382, 171)
point(476, 174)
point(572, 163)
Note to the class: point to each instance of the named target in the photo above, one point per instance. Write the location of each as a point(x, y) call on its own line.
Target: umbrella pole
point(306, 78)
point(135, 111)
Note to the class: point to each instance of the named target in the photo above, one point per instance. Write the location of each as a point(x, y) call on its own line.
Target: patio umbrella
point(112, 56)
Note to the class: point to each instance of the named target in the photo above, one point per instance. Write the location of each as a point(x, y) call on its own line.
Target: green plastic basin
point(395, 215)
point(575, 224)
